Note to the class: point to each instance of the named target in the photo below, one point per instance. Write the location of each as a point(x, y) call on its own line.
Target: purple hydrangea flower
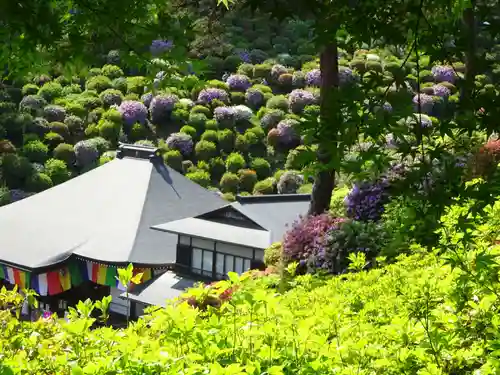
point(278, 70)
point(32, 103)
point(313, 78)
point(387, 107)
point(238, 82)
point(365, 201)
point(181, 142)
point(441, 91)
point(242, 113)
point(17, 195)
point(245, 56)
point(209, 94)
point(146, 99)
point(254, 97)
point(443, 73)
point(159, 46)
point(86, 152)
point(426, 103)
point(271, 119)
point(346, 76)
point(286, 131)
point(289, 182)
point(133, 112)
point(299, 99)
point(225, 115)
point(54, 113)
point(421, 118)
point(161, 106)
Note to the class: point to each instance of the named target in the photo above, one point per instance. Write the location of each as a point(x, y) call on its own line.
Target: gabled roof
point(255, 222)
point(104, 215)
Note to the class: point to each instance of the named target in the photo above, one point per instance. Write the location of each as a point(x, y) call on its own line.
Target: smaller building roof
point(157, 291)
point(216, 231)
point(254, 221)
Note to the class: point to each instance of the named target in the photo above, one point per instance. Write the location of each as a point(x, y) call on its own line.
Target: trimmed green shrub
point(135, 85)
point(264, 187)
point(262, 167)
point(36, 151)
point(197, 121)
point(278, 102)
point(52, 139)
point(57, 170)
point(50, 91)
point(189, 130)
point(237, 97)
point(38, 182)
point(212, 125)
point(120, 84)
point(229, 183)
point(98, 83)
point(15, 170)
point(30, 89)
point(205, 150)
point(59, 128)
point(64, 152)
point(226, 139)
point(234, 162)
point(217, 168)
point(202, 109)
point(112, 71)
point(201, 177)
point(241, 143)
point(173, 158)
point(248, 179)
point(210, 136)
point(109, 130)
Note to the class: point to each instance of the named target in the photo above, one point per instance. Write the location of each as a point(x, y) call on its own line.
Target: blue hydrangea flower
point(32, 103)
point(441, 91)
point(181, 142)
point(54, 113)
point(426, 103)
point(159, 46)
point(443, 73)
point(286, 131)
point(133, 111)
point(238, 82)
point(299, 99)
point(146, 99)
point(207, 95)
point(254, 97)
point(347, 76)
point(245, 56)
point(86, 152)
point(313, 78)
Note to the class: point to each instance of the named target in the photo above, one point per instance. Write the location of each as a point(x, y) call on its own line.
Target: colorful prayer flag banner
point(65, 279)
point(54, 283)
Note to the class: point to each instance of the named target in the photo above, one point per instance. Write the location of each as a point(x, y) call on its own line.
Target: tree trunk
point(469, 20)
point(329, 116)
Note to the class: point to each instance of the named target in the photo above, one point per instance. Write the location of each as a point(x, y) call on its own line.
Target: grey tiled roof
point(104, 215)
